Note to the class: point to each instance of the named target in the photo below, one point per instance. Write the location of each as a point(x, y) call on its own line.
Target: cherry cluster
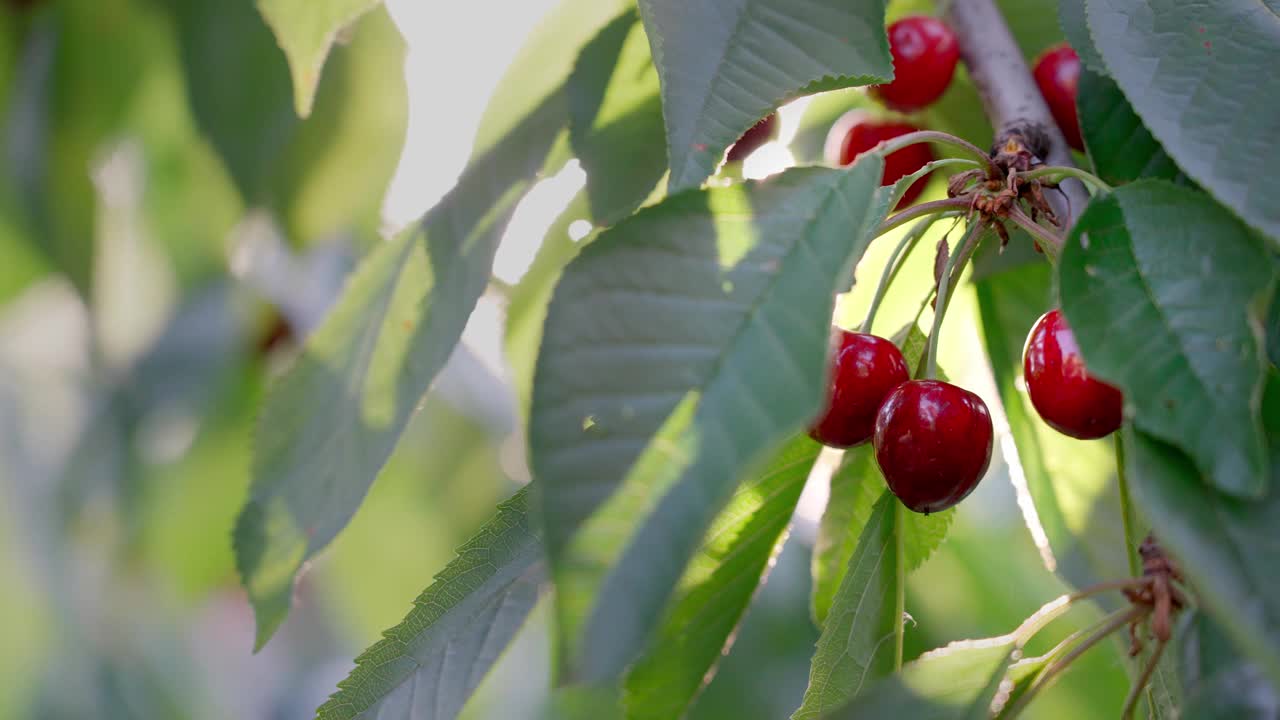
point(933, 439)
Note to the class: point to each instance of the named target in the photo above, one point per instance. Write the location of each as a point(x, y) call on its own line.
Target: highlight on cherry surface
point(857, 131)
point(864, 370)
point(933, 443)
point(925, 53)
point(1062, 391)
point(1057, 73)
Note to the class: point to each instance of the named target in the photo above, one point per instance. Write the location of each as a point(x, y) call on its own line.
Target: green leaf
point(1120, 146)
point(1075, 25)
point(1221, 685)
point(958, 682)
point(857, 641)
point(426, 667)
point(855, 487)
point(306, 30)
point(715, 303)
point(1158, 282)
point(1225, 547)
point(1273, 330)
point(615, 119)
point(331, 422)
point(725, 65)
point(718, 585)
point(1191, 72)
point(1009, 304)
point(241, 99)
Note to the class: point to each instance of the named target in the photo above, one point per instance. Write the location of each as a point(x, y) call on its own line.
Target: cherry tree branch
point(1009, 93)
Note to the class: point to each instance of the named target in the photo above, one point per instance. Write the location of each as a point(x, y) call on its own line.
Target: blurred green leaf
point(335, 173)
point(1174, 328)
point(855, 487)
point(725, 66)
point(716, 303)
point(615, 119)
point(306, 30)
point(1225, 547)
point(330, 423)
point(1010, 303)
point(540, 69)
point(1221, 685)
point(1120, 146)
point(1190, 71)
point(857, 642)
point(721, 580)
point(240, 94)
point(426, 667)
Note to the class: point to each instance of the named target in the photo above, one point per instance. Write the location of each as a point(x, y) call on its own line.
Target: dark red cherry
point(925, 53)
point(1062, 391)
point(856, 132)
point(1058, 73)
point(865, 369)
point(933, 443)
point(751, 140)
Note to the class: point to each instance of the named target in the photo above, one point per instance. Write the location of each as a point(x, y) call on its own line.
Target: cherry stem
point(921, 136)
point(1050, 242)
point(897, 259)
point(932, 207)
point(1135, 692)
point(1061, 171)
point(1126, 512)
point(1048, 676)
point(943, 297)
point(900, 592)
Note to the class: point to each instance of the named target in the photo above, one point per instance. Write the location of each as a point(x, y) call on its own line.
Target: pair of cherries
point(933, 439)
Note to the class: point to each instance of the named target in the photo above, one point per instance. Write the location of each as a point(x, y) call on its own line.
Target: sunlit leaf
point(306, 30)
point(426, 667)
point(724, 66)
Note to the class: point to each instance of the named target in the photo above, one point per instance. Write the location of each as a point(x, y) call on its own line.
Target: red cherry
point(1057, 73)
point(856, 132)
point(751, 140)
point(865, 369)
point(1062, 391)
point(925, 53)
point(933, 443)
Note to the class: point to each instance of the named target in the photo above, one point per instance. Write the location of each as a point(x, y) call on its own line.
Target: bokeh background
point(151, 286)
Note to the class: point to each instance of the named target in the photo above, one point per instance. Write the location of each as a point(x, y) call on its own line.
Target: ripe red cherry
point(751, 140)
point(856, 132)
point(1057, 73)
point(865, 369)
point(1064, 394)
point(933, 443)
point(924, 59)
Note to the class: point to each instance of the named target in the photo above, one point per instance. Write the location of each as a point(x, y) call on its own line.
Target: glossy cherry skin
point(933, 443)
point(1058, 74)
point(856, 133)
point(925, 54)
point(1062, 391)
point(751, 140)
point(865, 369)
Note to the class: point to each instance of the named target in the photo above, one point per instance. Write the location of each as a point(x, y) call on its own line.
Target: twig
point(1009, 93)
point(1135, 692)
point(1110, 624)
